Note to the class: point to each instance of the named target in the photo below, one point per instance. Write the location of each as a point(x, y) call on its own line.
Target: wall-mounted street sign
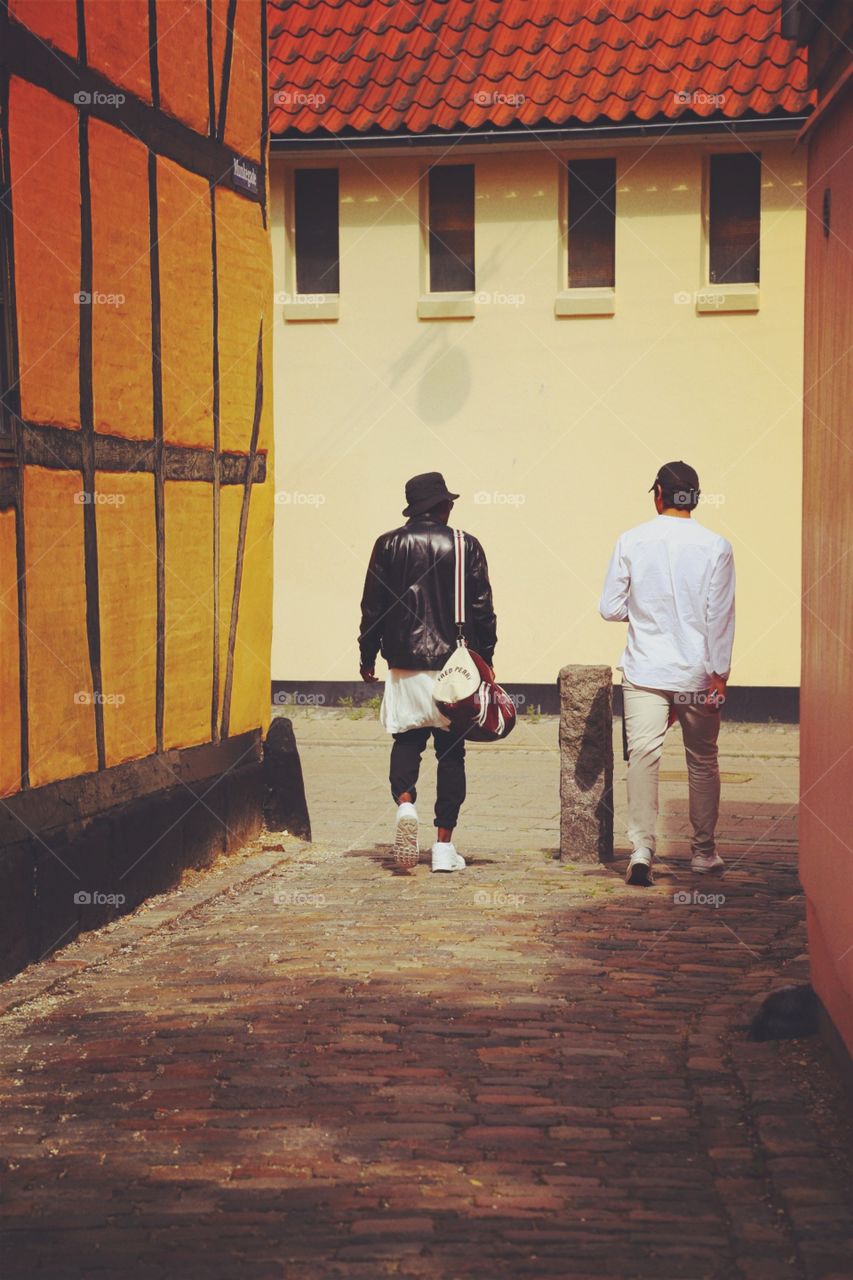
point(246, 176)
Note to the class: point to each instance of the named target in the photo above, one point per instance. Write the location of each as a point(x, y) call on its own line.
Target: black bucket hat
point(425, 492)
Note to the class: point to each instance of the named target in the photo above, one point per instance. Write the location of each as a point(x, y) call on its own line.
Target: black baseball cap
point(678, 481)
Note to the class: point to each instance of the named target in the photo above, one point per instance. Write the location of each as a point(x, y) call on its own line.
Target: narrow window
point(315, 194)
point(592, 223)
point(451, 228)
point(734, 218)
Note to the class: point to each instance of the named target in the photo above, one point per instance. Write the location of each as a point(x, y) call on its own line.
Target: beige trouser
point(646, 714)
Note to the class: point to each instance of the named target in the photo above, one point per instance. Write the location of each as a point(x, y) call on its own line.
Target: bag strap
point(459, 583)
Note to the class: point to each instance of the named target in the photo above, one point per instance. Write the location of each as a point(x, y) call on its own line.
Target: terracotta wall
point(136, 504)
point(826, 807)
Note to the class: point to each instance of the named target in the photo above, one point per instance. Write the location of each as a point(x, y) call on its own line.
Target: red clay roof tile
point(409, 66)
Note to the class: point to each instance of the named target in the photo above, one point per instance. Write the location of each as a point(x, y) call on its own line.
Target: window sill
point(600, 301)
point(447, 306)
point(311, 309)
point(730, 297)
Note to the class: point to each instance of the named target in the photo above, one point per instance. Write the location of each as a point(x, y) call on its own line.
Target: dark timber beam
point(60, 447)
point(26, 55)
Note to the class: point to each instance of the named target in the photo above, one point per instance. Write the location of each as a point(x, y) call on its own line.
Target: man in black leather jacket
point(408, 614)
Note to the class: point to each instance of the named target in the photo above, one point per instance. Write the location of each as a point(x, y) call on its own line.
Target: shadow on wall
point(436, 364)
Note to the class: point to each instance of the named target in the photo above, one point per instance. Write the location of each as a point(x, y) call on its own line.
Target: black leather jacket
point(407, 610)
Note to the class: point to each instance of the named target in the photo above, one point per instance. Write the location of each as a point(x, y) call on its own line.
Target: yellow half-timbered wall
point(136, 494)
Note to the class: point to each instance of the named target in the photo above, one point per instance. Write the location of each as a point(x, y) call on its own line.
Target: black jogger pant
point(449, 752)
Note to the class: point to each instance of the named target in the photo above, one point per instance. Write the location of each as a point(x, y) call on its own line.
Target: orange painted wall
point(117, 40)
point(61, 712)
point(240, 130)
point(127, 562)
point(826, 707)
point(186, 287)
point(45, 170)
point(182, 59)
point(10, 720)
point(121, 338)
point(189, 613)
point(244, 296)
point(53, 20)
point(121, 512)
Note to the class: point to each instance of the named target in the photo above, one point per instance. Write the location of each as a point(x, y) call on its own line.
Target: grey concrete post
point(586, 764)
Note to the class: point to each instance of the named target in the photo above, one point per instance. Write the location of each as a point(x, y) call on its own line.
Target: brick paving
point(305, 1064)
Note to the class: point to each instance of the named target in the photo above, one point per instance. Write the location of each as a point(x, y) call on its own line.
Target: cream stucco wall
point(562, 422)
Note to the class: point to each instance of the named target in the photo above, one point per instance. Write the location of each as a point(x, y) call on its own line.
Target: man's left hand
point(368, 675)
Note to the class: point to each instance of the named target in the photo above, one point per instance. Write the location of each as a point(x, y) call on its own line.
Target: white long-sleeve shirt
point(674, 582)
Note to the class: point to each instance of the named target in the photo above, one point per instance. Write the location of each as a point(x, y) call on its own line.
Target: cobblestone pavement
point(303, 1063)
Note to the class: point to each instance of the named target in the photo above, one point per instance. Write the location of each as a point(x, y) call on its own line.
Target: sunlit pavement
point(304, 1063)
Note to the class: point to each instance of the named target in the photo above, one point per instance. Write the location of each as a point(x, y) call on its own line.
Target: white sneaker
point(704, 862)
point(640, 868)
point(445, 857)
point(406, 848)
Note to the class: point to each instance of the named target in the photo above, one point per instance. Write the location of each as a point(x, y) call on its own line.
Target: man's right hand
point(368, 675)
point(716, 690)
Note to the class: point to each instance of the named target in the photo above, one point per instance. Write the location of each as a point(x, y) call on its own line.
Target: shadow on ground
point(536, 1074)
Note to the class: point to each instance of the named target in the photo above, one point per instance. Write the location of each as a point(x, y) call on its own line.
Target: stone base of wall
point(756, 704)
point(79, 852)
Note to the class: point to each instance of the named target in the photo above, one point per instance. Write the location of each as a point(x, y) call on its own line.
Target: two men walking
point(670, 579)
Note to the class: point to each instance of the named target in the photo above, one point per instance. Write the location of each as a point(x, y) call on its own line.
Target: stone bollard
point(586, 764)
point(285, 806)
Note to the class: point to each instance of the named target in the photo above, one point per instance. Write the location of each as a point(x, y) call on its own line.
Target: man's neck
point(679, 512)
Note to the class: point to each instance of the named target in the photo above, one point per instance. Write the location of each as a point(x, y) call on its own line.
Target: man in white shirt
point(673, 582)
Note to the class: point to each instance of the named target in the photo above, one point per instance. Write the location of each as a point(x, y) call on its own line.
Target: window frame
point(459, 304)
point(306, 306)
point(583, 300)
point(725, 297)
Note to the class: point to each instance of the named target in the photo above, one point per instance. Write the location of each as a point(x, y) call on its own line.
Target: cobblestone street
point(305, 1064)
